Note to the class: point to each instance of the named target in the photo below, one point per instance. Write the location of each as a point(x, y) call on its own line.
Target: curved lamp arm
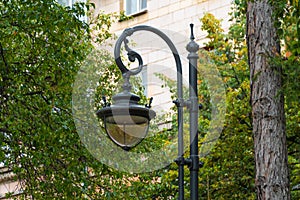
point(132, 55)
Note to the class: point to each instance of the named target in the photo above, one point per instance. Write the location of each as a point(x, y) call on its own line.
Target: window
point(135, 6)
point(67, 2)
point(70, 3)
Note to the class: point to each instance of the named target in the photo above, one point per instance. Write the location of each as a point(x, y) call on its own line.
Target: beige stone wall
point(170, 14)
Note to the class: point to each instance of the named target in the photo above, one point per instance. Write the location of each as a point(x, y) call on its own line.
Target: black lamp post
point(126, 122)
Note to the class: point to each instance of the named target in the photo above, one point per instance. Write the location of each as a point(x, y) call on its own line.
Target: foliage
point(289, 32)
point(124, 17)
point(42, 45)
point(286, 18)
point(228, 170)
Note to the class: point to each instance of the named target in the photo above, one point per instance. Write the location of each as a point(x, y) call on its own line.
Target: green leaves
point(42, 45)
point(228, 170)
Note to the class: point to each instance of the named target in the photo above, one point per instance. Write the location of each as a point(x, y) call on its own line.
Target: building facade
point(173, 15)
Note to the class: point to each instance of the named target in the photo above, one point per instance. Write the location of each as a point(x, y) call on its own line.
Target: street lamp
point(127, 123)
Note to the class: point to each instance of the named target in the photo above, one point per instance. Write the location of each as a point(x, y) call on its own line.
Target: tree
point(42, 45)
point(267, 102)
point(42, 48)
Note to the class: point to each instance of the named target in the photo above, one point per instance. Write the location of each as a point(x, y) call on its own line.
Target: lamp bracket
point(182, 161)
point(193, 163)
point(192, 104)
point(188, 104)
point(189, 162)
point(181, 103)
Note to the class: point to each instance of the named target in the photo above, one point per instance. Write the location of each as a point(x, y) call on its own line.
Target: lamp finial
point(192, 32)
point(192, 46)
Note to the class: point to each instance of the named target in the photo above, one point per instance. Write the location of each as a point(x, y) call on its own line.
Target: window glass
point(134, 6)
point(64, 2)
point(143, 4)
point(70, 3)
point(131, 6)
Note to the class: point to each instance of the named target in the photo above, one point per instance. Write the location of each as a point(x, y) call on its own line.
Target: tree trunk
point(272, 176)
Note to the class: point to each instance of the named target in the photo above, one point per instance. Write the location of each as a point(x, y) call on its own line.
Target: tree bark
point(267, 101)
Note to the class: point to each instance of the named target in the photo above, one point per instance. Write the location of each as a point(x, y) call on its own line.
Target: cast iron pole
point(193, 48)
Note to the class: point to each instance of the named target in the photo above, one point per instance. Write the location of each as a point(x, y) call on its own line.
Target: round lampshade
point(126, 124)
point(126, 131)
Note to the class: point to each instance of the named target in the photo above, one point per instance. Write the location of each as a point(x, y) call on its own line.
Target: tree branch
point(2, 55)
point(4, 60)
